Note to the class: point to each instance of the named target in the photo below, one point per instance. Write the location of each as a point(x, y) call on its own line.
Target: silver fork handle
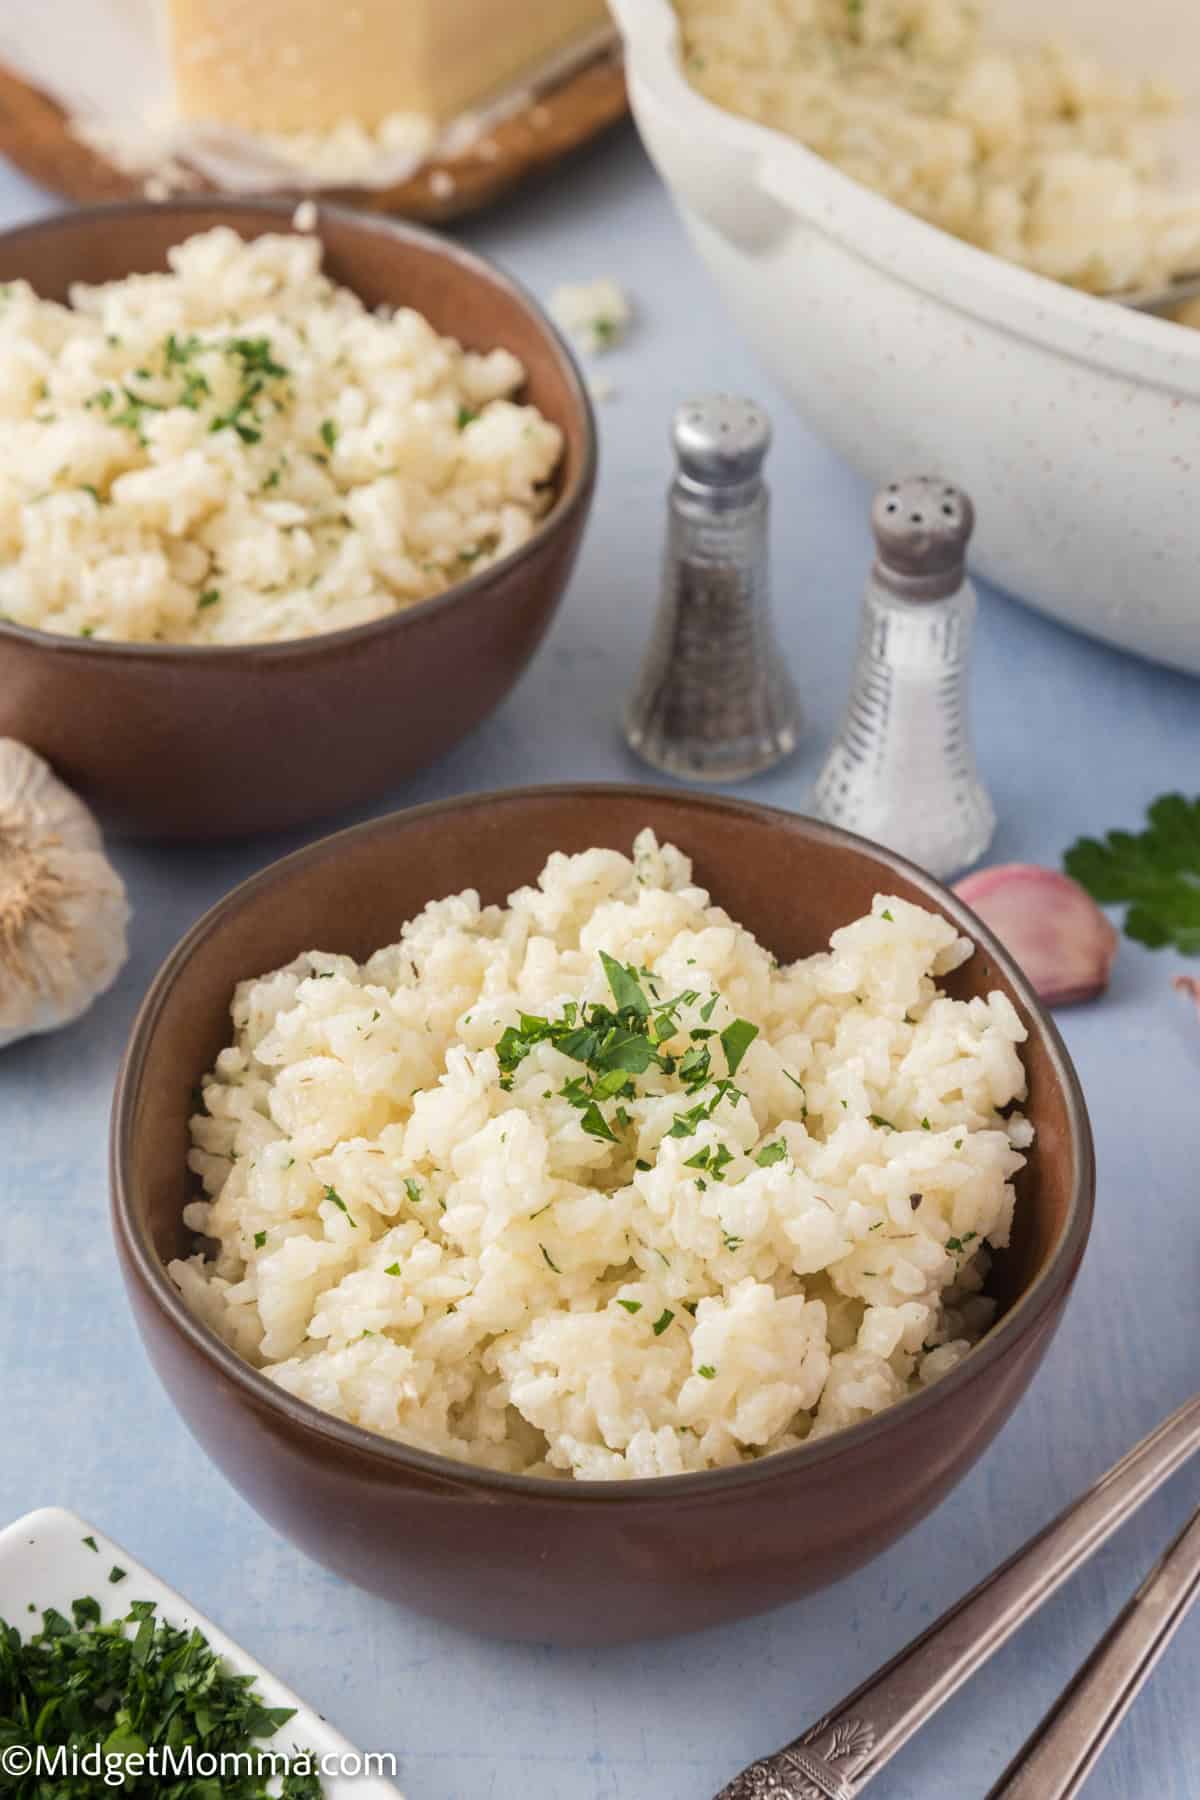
point(1064, 1749)
point(836, 1758)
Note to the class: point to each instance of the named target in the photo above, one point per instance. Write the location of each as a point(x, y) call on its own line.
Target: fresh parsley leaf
point(1154, 873)
point(631, 1306)
point(663, 1320)
point(626, 988)
point(736, 1039)
point(260, 1238)
point(771, 1153)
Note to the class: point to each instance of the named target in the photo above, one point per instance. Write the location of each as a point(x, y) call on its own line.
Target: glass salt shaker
point(902, 768)
point(714, 701)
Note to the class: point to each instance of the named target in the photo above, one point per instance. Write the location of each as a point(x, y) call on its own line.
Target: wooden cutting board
point(35, 135)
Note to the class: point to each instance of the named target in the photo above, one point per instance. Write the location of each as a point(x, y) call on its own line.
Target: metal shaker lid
point(720, 440)
point(922, 527)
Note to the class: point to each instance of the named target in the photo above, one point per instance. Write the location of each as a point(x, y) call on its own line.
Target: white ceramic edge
point(973, 281)
point(44, 1559)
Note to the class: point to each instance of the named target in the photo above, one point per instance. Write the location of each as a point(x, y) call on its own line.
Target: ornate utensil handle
point(836, 1758)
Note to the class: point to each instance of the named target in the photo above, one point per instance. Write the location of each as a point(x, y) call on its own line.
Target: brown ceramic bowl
point(179, 741)
point(517, 1556)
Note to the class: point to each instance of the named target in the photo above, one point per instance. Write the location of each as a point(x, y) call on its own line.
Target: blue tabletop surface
point(1073, 738)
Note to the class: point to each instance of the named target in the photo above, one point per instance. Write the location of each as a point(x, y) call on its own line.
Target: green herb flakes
point(771, 1153)
point(663, 1320)
point(333, 1195)
point(137, 1686)
point(707, 1372)
point(631, 1306)
point(260, 1238)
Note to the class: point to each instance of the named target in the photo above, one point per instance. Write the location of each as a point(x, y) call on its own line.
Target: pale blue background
point(1073, 738)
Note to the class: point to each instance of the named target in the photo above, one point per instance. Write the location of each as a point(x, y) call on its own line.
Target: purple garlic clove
point(1049, 925)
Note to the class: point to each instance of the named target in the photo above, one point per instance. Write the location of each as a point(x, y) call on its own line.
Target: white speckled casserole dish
point(1074, 423)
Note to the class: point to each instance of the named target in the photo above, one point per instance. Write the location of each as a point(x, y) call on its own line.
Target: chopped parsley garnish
point(393, 1269)
point(209, 597)
point(885, 914)
point(466, 416)
point(1154, 873)
point(619, 1042)
point(707, 1371)
point(925, 1125)
point(332, 1194)
point(771, 1153)
point(631, 1306)
point(413, 1190)
point(663, 1320)
point(91, 1544)
point(329, 433)
point(134, 1685)
point(260, 1238)
point(884, 1124)
point(713, 1158)
point(957, 1245)
point(116, 1575)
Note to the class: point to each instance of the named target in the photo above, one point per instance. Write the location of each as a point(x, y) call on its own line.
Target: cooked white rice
point(1038, 154)
point(412, 1240)
point(238, 451)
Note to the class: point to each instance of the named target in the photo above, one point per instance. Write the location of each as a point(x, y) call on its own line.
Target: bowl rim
point(1089, 328)
point(566, 506)
point(1018, 1322)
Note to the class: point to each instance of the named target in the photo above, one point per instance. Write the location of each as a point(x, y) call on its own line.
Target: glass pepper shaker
point(714, 701)
point(902, 768)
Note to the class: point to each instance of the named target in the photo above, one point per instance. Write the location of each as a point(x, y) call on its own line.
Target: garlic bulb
point(63, 909)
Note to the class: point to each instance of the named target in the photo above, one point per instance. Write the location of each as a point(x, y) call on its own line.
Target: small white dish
point(46, 1560)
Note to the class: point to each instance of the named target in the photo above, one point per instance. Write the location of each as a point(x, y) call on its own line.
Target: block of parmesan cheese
point(312, 65)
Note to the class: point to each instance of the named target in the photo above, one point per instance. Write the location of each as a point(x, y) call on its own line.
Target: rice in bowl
point(589, 1186)
point(238, 451)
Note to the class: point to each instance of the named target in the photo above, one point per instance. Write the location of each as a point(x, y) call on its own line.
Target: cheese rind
point(307, 65)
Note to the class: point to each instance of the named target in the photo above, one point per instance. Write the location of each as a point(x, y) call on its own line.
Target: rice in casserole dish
point(1036, 153)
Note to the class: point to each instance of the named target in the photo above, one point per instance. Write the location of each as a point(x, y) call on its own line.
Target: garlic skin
point(1055, 931)
point(63, 908)
point(1189, 985)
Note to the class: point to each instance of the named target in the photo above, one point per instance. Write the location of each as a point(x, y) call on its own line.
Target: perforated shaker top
point(721, 440)
point(922, 527)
